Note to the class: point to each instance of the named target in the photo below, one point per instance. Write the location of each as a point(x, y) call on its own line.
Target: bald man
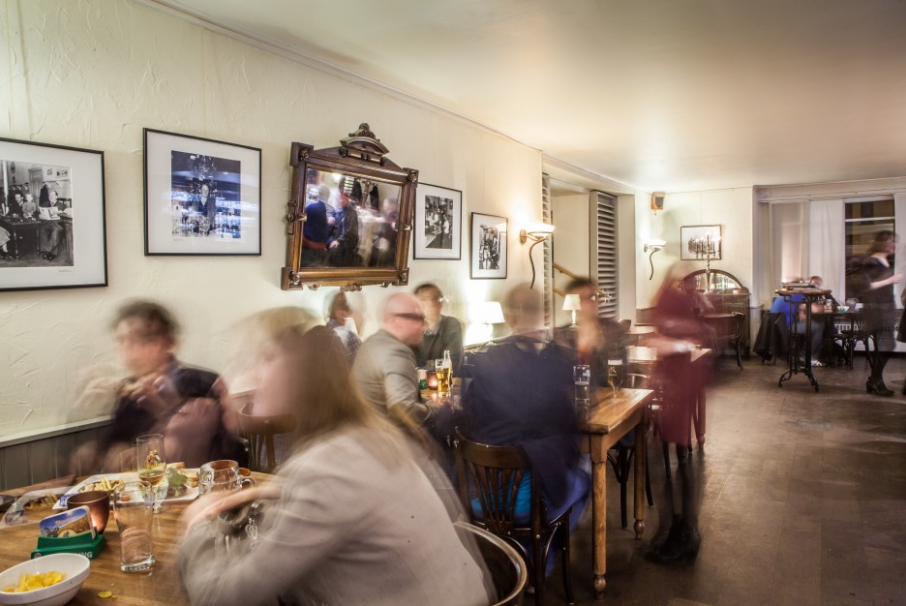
point(384, 368)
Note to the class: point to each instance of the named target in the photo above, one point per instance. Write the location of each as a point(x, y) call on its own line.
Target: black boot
point(877, 386)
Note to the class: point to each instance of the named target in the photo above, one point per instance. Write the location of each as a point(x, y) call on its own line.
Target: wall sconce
point(651, 247)
point(573, 304)
point(536, 232)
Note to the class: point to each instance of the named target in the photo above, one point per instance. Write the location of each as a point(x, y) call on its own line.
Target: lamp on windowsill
point(483, 316)
point(573, 304)
point(537, 232)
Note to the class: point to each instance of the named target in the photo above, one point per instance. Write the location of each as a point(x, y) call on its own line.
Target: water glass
point(133, 510)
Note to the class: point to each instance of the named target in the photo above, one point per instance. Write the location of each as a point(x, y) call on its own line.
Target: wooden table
point(18, 230)
point(611, 419)
point(160, 587)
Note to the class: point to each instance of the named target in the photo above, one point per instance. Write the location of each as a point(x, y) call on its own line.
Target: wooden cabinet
point(728, 303)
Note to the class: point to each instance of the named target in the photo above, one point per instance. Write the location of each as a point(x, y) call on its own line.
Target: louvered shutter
point(548, 245)
point(605, 259)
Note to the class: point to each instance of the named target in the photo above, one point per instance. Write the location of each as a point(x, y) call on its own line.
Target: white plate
point(17, 514)
point(131, 476)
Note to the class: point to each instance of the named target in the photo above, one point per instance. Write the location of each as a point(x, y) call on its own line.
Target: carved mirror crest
point(350, 217)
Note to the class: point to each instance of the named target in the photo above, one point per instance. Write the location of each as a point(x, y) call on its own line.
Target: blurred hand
point(213, 504)
point(334, 244)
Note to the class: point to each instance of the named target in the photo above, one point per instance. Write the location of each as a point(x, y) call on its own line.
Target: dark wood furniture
point(795, 297)
point(260, 432)
point(506, 566)
point(495, 474)
point(727, 295)
point(728, 331)
point(19, 232)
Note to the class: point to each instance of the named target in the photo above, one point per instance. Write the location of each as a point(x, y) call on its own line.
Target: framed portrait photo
point(202, 197)
point(700, 242)
point(438, 223)
point(488, 258)
point(52, 222)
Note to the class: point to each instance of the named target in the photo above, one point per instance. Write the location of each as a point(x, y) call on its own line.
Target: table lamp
point(483, 316)
point(572, 304)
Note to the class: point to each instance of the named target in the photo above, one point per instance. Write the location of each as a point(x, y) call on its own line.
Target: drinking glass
point(151, 460)
point(443, 376)
point(133, 510)
point(222, 475)
point(582, 381)
point(615, 374)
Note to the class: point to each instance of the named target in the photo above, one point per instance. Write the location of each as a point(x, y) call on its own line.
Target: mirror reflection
point(350, 221)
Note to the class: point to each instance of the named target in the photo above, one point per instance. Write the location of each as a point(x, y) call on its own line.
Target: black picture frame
point(53, 231)
point(488, 260)
point(438, 223)
point(202, 196)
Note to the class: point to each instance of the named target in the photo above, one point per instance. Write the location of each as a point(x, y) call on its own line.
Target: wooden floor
point(803, 500)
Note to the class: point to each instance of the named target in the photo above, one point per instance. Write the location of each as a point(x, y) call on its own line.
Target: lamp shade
point(486, 312)
point(572, 303)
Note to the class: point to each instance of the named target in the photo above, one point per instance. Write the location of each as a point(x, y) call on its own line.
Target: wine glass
point(151, 460)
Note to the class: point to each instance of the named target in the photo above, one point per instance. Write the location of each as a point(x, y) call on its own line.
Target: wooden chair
point(506, 566)
point(260, 432)
point(621, 455)
point(495, 474)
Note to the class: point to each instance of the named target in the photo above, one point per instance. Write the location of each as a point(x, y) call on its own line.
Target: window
point(864, 219)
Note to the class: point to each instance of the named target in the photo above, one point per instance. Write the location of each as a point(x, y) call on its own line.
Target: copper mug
point(223, 475)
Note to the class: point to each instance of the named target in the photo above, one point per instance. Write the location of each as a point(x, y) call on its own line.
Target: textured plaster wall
point(93, 73)
point(729, 208)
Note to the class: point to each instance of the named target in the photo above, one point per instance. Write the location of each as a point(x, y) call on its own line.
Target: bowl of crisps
point(48, 581)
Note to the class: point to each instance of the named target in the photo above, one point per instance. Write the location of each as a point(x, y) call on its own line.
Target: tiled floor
point(804, 500)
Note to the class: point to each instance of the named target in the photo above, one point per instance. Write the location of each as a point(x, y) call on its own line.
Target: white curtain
point(789, 242)
point(826, 240)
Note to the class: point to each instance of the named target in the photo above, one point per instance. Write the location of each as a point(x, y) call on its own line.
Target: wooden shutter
point(605, 258)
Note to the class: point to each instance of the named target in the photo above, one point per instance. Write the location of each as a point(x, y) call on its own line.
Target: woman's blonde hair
point(324, 397)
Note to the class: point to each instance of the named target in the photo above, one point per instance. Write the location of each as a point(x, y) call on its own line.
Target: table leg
point(599, 511)
point(641, 465)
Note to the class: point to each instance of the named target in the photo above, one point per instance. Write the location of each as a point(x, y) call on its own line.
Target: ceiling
point(673, 95)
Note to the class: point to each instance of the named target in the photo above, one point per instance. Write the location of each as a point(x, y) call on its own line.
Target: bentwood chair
point(489, 480)
point(260, 432)
point(506, 566)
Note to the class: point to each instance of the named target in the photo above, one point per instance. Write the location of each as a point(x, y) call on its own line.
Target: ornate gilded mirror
point(350, 217)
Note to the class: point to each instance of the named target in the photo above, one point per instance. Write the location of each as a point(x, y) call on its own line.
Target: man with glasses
point(442, 333)
point(384, 368)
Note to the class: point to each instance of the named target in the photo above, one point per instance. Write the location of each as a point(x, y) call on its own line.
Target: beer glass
point(443, 377)
point(133, 510)
point(152, 464)
point(615, 374)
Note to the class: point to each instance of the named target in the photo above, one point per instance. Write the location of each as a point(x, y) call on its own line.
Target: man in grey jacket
point(384, 367)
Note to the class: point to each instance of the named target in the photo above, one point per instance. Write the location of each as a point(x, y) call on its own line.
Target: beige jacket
point(347, 530)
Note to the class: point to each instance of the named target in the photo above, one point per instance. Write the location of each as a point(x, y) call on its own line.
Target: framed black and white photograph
point(700, 242)
point(202, 197)
point(52, 229)
point(488, 247)
point(438, 222)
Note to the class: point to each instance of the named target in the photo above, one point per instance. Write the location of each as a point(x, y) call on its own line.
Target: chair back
point(496, 473)
point(506, 567)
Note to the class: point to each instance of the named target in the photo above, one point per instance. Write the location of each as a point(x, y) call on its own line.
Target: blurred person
point(50, 232)
point(384, 368)
point(594, 340)
point(350, 517)
point(441, 332)
point(879, 314)
point(340, 319)
point(383, 250)
point(680, 331)
point(344, 235)
point(521, 395)
point(164, 396)
point(316, 231)
point(792, 307)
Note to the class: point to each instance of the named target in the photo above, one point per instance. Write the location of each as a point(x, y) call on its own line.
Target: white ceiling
point(671, 95)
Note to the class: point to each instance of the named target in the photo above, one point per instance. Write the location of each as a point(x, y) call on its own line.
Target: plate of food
point(181, 484)
point(32, 507)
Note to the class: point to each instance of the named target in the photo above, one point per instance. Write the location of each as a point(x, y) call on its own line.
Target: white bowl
point(76, 568)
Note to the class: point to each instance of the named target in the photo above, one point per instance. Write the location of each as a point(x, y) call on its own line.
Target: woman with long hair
point(879, 315)
point(353, 519)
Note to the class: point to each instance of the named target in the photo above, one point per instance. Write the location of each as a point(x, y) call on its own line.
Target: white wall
point(730, 208)
point(93, 73)
point(571, 245)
